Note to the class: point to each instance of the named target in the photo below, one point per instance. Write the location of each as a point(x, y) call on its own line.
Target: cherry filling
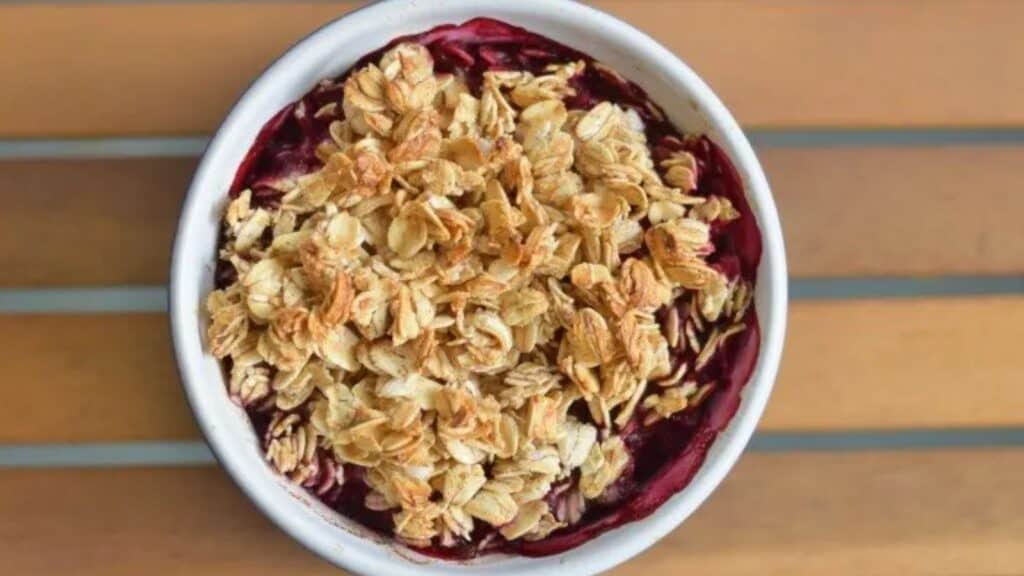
point(665, 455)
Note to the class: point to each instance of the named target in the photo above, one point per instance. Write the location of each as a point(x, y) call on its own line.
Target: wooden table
point(893, 133)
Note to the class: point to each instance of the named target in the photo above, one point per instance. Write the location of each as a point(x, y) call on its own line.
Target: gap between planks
point(193, 146)
point(196, 453)
point(142, 299)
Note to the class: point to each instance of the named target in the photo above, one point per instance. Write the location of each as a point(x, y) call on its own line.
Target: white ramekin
point(327, 52)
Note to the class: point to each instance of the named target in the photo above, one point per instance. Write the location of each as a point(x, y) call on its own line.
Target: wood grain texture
point(890, 364)
point(95, 378)
point(900, 211)
point(175, 68)
point(847, 365)
point(937, 513)
point(911, 211)
point(89, 222)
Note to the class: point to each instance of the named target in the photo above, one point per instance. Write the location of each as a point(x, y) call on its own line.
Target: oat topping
point(472, 299)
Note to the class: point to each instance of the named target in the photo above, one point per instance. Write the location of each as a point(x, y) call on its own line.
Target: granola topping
point(478, 299)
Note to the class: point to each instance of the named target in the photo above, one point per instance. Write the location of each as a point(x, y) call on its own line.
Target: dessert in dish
point(480, 295)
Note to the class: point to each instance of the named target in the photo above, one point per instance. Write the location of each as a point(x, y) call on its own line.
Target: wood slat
point(89, 222)
point(848, 365)
point(937, 513)
point(176, 68)
point(846, 212)
point(900, 211)
point(93, 378)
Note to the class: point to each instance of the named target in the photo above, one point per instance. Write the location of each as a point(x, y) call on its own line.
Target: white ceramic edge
point(368, 556)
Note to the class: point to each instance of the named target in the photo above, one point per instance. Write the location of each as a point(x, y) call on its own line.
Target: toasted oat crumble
point(439, 300)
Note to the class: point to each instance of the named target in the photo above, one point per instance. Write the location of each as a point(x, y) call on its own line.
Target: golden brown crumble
point(404, 314)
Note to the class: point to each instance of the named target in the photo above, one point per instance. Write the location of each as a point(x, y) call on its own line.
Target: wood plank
point(894, 364)
point(848, 365)
point(91, 378)
point(888, 211)
point(900, 211)
point(941, 513)
point(89, 222)
point(175, 68)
